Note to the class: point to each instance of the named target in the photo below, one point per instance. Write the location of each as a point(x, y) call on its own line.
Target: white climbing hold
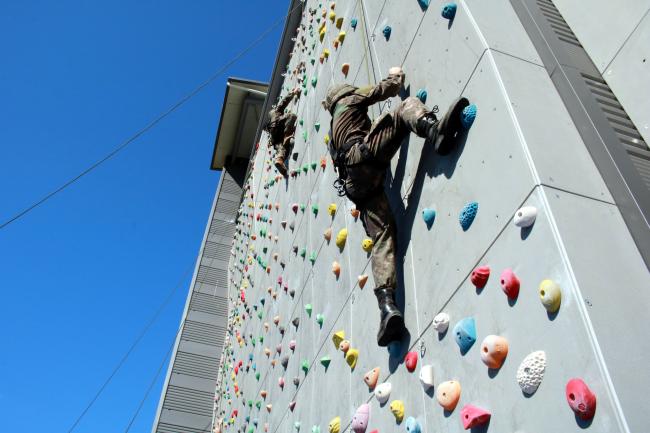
point(525, 216)
point(531, 372)
point(382, 392)
point(441, 322)
point(426, 376)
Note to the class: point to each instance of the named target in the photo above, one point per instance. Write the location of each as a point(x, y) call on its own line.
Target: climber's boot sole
point(450, 126)
point(391, 329)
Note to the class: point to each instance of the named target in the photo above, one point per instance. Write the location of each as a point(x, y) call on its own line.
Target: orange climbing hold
point(362, 280)
point(336, 269)
point(345, 68)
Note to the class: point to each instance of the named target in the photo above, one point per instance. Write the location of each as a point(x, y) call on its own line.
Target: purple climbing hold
point(360, 419)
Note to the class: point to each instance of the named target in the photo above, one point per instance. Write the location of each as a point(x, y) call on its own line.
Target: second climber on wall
point(281, 127)
point(362, 151)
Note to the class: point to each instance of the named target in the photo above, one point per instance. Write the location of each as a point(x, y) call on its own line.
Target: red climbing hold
point(581, 399)
point(480, 276)
point(411, 361)
point(473, 416)
point(510, 283)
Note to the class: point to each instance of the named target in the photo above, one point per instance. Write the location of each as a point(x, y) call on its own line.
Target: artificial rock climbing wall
point(522, 150)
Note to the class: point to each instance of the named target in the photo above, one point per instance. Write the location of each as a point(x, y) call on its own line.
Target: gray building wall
point(187, 398)
point(523, 149)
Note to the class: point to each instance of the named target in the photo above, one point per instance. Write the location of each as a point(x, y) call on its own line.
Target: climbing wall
point(284, 370)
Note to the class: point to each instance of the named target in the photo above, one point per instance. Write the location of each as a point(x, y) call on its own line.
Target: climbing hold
point(550, 295)
point(326, 53)
point(351, 358)
point(326, 139)
point(448, 394)
point(296, 321)
point(305, 366)
point(269, 407)
point(411, 361)
point(449, 11)
point(382, 392)
point(336, 269)
point(371, 377)
point(424, 4)
point(315, 429)
point(468, 115)
point(332, 16)
point(314, 81)
point(292, 345)
point(296, 381)
point(397, 409)
point(355, 213)
point(367, 245)
point(345, 68)
point(525, 216)
point(325, 361)
point(337, 338)
point(362, 280)
point(317, 126)
point(467, 215)
point(510, 283)
point(331, 210)
point(344, 346)
point(335, 425)
point(581, 399)
point(341, 237)
point(320, 319)
point(465, 334)
point(494, 350)
point(353, 23)
point(281, 382)
point(267, 351)
point(308, 309)
point(480, 276)
point(303, 252)
point(278, 348)
point(296, 424)
point(531, 372)
point(323, 162)
point(441, 322)
point(429, 216)
point(263, 393)
point(341, 37)
point(314, 207)
point(360, 418)
point(473, 416)
point(312, 257)
point(387, 31)
point(426, 376)
point(339, 23)
point(422, 95)
point(327, 234)
point(294, 207)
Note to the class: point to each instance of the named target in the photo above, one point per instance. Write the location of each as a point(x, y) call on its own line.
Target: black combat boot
point(441, 133)
point(391, 325)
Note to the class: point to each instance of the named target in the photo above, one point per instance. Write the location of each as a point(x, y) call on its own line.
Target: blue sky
point(82, 274)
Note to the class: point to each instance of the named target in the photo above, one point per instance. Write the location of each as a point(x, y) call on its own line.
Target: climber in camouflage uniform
point(281, 127)
point(362, 152)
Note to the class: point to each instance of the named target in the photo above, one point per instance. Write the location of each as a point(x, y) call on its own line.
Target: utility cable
point(131, 348)
point(153, 382)
point(151, 124)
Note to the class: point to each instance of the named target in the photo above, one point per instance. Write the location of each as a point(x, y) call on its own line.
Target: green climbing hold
point(317, 126)
point(313, 166)
point(314, 209)
point(325, 361)
point(259, 316)
point(314, 81)
point(258, 404)
point(320, 319)
point(312, 257)
point(304, 135)
point(309, 309)
point(303, 207)
point(257, 375)
point(305, 366)
point(303, 252)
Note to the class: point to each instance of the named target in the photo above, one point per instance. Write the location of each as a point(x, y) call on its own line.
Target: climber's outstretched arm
point(287, 100)
point(387, 88)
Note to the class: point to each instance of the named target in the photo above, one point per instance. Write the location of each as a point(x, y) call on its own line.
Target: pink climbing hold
point(480, 276)
point(473, 416)
point(360, 418)
point(510, 283)
point(292, 345)
point(292, 405)
point(411, 361)
point(581, 399)
point(294, 207)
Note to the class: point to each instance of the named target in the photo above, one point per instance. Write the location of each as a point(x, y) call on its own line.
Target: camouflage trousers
point(282, 136)
point(364, 184)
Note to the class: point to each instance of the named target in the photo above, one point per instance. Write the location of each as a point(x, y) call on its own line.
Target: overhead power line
point(150, 125)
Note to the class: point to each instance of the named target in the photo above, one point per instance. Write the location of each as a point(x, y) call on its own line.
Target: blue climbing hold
point(467, 215)
point(465, 334)
point(250, 356)
point(387, 31)
point(422, 95)
point(429, 216)
point(424, 4)
point(449, 11)
point(353, 23)
point(413, 425)
point(468, 115)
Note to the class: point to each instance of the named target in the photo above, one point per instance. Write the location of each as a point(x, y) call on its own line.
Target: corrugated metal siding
point(186, 405)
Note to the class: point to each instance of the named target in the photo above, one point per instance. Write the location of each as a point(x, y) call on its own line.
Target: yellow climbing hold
point(551, 295)
point(332, 16)
point(351, 358)
point(397, 408)
point(341, 36)
point(326, 139)
point(326, 53)
point(337, 337)
point(339, 23)
point(322, 33)
point(341, 237)
point(331, 209)
point(335, 425)
point(367, 244)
